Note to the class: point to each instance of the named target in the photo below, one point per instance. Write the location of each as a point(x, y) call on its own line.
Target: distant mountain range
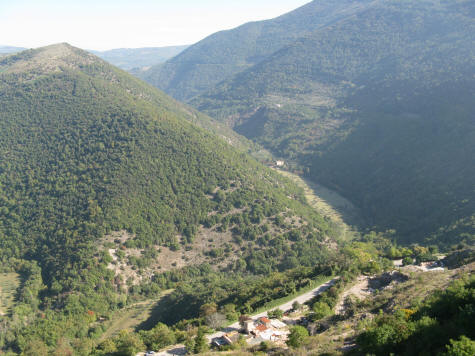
point(372, 98)
point(138, 58)
point(10, 49)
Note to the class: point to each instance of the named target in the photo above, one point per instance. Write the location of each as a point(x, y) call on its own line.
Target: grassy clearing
point(9, 283)
point(131, 316)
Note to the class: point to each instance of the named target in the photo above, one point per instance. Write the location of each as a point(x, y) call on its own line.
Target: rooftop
point(261, 328)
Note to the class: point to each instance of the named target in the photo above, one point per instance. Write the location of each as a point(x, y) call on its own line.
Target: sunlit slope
point(87, 149)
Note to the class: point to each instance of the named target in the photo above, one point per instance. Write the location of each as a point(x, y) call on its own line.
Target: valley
point(297, 185)
point(348, 103)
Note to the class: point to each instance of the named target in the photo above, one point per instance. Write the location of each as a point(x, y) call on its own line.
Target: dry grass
point(9, 283)
point(131, 317)
point(341, 334)
point(328, 203)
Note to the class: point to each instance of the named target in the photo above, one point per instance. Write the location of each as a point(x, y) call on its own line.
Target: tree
point(215, 320)
point(230, 311)
point(276, 313)
point(63, 348)
point(321, 310)
point(296, 306)
point(189, 345)
point(35, 347)
point(128, 344)
point(208, 309)
point(406, 261)
point(107, 347)
point(201, 343)
point(298, 335)
point(159, 337)
point(462, 347)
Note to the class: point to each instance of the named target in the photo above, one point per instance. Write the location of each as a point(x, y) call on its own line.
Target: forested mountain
point(378, 105)
point(90, 152)
point(130, 58)
point(226, 53)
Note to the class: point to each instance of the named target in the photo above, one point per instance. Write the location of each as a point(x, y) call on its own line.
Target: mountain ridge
point(226, 53)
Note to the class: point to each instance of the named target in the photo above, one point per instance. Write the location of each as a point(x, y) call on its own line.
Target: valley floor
point(328, 203)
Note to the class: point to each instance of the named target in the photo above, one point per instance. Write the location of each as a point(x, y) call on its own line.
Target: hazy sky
point(105, 24)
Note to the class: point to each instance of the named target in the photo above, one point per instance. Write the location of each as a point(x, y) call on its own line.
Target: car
point(150, 353)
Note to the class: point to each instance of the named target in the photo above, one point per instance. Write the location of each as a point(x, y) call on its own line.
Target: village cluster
point(255, 331)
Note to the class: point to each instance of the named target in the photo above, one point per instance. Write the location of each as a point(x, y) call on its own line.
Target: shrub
point(298, 335)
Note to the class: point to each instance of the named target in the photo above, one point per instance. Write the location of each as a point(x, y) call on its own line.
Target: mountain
point(377, 105)
point(226, 53)
point(141, 58)
point(109, 193)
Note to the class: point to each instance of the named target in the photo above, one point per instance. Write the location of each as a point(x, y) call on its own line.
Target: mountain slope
point(103, 178)
point(226, 53)
point(130, 58)
point(373, 105)
point(88, 149)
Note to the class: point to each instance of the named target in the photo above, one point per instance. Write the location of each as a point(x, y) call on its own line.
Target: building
point(249, 326)
point(277, 324)
point(264, 321)
point(265, 329)
point(259, 329)
point(226, 339)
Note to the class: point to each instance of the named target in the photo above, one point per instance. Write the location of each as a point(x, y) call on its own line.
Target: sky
point(107, 24)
